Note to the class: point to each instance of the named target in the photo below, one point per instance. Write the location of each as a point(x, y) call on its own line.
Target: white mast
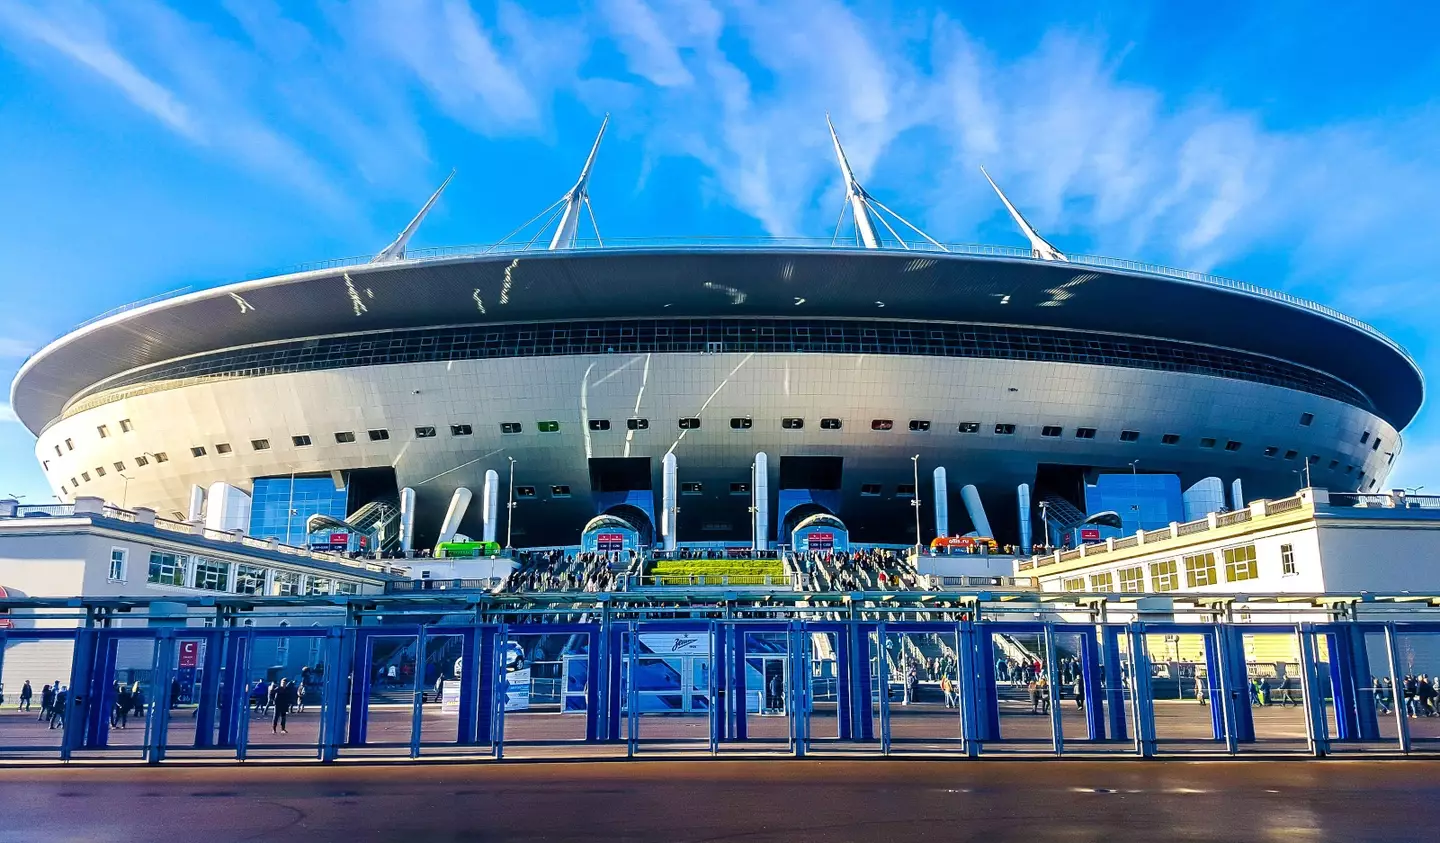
point(396, 250)
point(855, 195)
point(1038, 245)
point(579, 195)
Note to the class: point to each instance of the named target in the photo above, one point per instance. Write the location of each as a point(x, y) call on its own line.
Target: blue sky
point(146, 147)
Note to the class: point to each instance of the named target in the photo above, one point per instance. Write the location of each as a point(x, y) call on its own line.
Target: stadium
point(710, 392)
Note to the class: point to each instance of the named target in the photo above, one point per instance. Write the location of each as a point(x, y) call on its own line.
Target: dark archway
point(636, 518)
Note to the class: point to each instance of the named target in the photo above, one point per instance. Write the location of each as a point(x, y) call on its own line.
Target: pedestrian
point(1286, 685)
point(1079, 691)
point(137, 700)
point(1200, 688)
point(57, 711)
point(948, 689)
point(124, 702)
point(1378, 691)
point(1034, 688)
point(26, 694)
point(284, 699)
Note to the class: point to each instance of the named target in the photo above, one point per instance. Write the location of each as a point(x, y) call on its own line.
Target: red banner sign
point(189, 653)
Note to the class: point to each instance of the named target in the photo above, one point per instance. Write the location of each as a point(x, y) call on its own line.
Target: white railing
point(654, 244)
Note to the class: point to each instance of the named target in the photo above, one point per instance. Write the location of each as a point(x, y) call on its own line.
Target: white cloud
point(7, 415)
point(80, 37)
point(13, 347)
point(649, 51)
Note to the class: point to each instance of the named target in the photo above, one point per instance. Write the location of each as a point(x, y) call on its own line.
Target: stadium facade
point(780, 379)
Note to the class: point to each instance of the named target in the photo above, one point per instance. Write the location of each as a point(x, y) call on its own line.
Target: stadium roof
point(682, 279)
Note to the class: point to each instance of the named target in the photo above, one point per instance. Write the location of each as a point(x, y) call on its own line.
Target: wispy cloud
point(14, 347)
point(7, 415)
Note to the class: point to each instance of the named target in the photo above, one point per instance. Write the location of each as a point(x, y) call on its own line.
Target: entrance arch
point(822, 533)
point(609, 533)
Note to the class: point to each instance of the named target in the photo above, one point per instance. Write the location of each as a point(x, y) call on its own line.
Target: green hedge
point(718, 567)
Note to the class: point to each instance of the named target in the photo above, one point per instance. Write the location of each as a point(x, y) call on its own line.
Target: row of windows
point(207, 574)
point(730, 336)
point(84, 476)
point(1199, 569)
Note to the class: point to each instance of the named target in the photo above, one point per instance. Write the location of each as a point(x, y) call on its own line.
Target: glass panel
point(824, 686)
point(28, 727)
point(928, 710)
point(1022, 688)
point(389, 711)
point(549, 680)
point(284, 677)
point(1272, 670)
point(440, 710)
point(1179, 685)
point(767, 686)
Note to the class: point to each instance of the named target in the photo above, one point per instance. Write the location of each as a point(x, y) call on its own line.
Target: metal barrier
point(551, 680)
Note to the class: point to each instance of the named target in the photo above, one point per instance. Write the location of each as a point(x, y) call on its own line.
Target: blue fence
point(593, 685)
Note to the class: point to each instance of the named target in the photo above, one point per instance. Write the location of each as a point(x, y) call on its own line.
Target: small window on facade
point(117, 564)
point(599, 424)
point(1103, 582)
point(905, 490)
point(103, 431)
point(223, 448)
point(691, 488)
point(1360, 478)
point(142, 460)
point(1232, 445)
point(197, 451)
point(511, 427)
point(919, 425)
point(301, 441)
point(637, 424)
point(161, 456)
point(425, 432)
point(1306, 419)
point(792, 423)
point(1132, 580)
point(74, 481)
point(69, 446)
point(1375, 446)
point(85, 475)
point(461, 430)
point(547, 426)
point(1372, 485)
point(1004, 429)
point(1240, 563)
point(1170, 439)
point(1349, 469)
point(99, 471)
point(1207, 442)
point(1290, 455)
point(689, 423)
point(259, 444)
point(58, 452)
point(126, 426)
point(524, 491)
point(870, 490)
point(830, 424)
point(559, 491)
point(1314, 459)
point(969, 427)
point(62, 489)
point(1287, 560)
point(378, 435)
point(1073, 584)
point(345, 437)
point(46, 463)
point(1129, 436)
point(1084, 433)
point(1364, 437)
point(1164, 576)
point(1050, 430)
point(1389, 458)
point(1334, 464)
point(882, 424)
point(1271, 451)
point(739, 488)
point(741, 423)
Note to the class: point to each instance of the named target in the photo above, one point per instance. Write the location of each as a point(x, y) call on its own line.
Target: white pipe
point(451, 525)
point(491, 514)
point(1022, 493)
point(197, 503)
point(407, 519)
point(229, 508)
point(670, 475)
point(942, 504)
point(760, 488)
point(971, 497)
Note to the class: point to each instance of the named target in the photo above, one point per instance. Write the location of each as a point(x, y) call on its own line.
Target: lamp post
point(125, 491)
point(915, 502)
point(510, 507)
point(1045, 523)
point(754, 513)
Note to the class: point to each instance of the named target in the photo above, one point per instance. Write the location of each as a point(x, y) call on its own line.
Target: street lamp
point(510, 507)
point(1045, 523)
point(915, 502)
point(125, 492)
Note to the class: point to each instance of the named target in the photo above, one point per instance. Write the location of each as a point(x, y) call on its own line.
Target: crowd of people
point(555, 570)
point(857, 570)
point(278, 700)
point(1420, 694)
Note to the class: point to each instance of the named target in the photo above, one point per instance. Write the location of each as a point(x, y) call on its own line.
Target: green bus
point(466, 550)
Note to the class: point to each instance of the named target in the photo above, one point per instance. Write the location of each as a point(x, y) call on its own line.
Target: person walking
point(1286, 686)
point(948, 689)
point(124, 702)
point(57, 711)
point(284, 700)
point(47, 702)
point(26, 694)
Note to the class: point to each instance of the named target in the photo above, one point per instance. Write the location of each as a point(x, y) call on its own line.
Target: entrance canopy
point(821, 533)
point(608, 533)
